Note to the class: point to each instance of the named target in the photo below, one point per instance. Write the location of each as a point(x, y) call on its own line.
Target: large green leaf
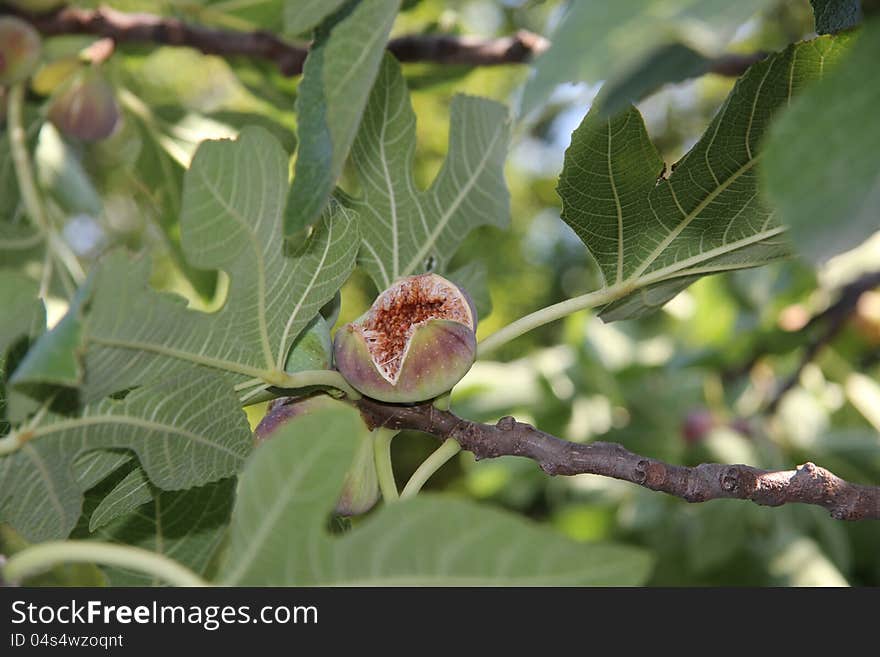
point(406, 230)
point(337, 77)
point(185, 431)
point(278, 534)
point(836, 15)
point(233, 203)
point(652, 235)
point(186, 526)
point(595, 40)
point(822, 168)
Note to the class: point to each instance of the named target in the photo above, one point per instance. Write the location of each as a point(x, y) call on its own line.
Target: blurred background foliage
point(689, 384)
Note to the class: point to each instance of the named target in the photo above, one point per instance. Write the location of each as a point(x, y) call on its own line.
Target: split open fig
point(415, 343)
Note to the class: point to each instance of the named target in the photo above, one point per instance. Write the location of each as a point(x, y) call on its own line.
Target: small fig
point(85, 109)
point(415, 343)
point(697, 425)
point(19, 49)
point(360, 490)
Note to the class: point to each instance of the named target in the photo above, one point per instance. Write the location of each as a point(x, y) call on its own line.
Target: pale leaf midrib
point(131, 421)
point(180, 354)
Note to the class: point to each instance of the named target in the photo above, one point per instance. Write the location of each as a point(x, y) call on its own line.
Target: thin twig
point(808, 484)
point(826, 325)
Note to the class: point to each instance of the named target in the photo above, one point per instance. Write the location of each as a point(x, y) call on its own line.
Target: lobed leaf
point(651, 235)
point(233, 202)
point(406, 230)
point(337, 77)
point(186, 431)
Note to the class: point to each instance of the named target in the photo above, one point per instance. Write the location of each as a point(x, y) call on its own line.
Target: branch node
point(507, 423)
point(730, 479)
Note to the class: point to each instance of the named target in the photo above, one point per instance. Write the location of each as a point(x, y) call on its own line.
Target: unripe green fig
point(85, 109)
point(360, 490)
point(19, 49)
point(415, 343)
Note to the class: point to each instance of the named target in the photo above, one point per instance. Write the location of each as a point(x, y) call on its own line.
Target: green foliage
point(292, 481)
point(186, 431)
point(821, 169)
point(158, 285)
point(595, 39)
point(232, 209)
point(651, 234)
point(405, 230)
point(187, 526)
point(337, 78)
point(836, 15)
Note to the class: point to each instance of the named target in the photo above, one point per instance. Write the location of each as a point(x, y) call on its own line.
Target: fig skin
point(20, 49)
point(438, 354)
point(85, 109)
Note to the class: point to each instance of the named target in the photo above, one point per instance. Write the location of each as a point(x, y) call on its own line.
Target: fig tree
point(415, 343)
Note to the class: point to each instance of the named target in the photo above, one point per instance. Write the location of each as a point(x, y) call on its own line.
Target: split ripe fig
point(85, 109)
point(360, 490)
point(19, 49)
point(415, 343)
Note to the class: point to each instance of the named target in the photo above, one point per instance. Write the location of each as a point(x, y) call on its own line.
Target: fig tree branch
point(143, 28)
point(808, 484)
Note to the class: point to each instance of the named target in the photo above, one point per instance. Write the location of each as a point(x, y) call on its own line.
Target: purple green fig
point(360, 490)
point(85, 109)
point(415, 343)
point(20, 48)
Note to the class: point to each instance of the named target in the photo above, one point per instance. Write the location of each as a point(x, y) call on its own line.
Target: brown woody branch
point(148, 28)
point(289, 58)
point(808, 484)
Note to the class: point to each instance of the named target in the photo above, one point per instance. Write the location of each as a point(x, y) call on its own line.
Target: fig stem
point(328, 378)
point(24, 174)
point(550, 314)
point(40, 558)
point(384, 467)
point(429, 466)
point(24, 171)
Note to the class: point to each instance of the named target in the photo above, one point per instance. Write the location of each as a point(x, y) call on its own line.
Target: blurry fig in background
point(85, 109)
point(360, 490)
point(415, 343)
point(20, 48)
point(697, 425)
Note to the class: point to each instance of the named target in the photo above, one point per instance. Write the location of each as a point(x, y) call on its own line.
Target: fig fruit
point(415, 343)
point(19, 49)
point(698, 423)
point(360, 490)
point(85, 109)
